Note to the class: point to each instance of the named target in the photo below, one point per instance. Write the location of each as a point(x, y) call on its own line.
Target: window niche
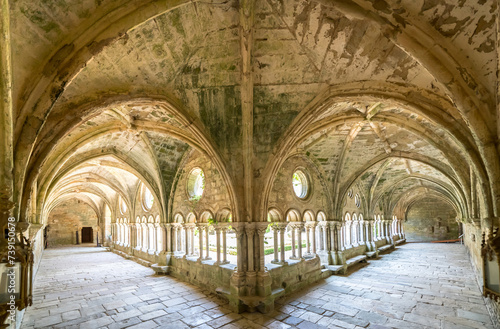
point(196, 184)
point(301, 184)
point(147, 198)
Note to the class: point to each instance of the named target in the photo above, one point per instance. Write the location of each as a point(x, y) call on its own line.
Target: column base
point(222, 263)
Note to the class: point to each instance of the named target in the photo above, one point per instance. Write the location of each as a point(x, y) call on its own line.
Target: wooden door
point(87, 234)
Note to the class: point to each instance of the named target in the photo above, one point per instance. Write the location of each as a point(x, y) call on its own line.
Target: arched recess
point(321, 217)
point(178, 218)
point(191, 218)
point(192, 133)
point(224, 215)
point(308, 216)
point(293, 215)
point(274, 215)
point(206, 216)
point(434, 108)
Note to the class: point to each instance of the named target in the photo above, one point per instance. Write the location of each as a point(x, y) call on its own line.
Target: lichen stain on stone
point(57, 59)
point(302, 19)
point(467, 78)
point(40, 20)
point(382, 6)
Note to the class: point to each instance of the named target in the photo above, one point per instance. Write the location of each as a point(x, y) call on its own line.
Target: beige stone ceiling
point(404, 118)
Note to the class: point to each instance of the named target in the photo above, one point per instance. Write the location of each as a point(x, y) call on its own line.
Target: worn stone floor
point(416, 286)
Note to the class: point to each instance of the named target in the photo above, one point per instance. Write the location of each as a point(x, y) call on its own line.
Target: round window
point(196, 184)
point(123, 206)
point(147, 198)
point(300, 184)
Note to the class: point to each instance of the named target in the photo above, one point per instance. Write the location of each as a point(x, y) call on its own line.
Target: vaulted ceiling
point(390, 96)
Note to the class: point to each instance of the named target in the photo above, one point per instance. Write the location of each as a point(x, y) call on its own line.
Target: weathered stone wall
point(472, 240)
point(67, 218)
point(139, 210)
point(296, 276)
point(431, 220)
point(283, 196)
point(215, 195)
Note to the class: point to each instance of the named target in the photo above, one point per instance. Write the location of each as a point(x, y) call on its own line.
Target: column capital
point(239, 228)
point(261, 228)
point(311, 224)
point(281, 225)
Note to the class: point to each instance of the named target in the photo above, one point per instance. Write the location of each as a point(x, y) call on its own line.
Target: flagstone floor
point(416, 286)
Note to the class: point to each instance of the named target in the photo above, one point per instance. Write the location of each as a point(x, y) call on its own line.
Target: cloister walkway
point(416, 286)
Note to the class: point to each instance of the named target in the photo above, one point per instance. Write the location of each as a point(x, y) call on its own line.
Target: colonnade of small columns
point(321, 237)
point(186, 232)
point(332, 236)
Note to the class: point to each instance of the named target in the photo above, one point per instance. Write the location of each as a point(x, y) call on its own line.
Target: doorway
point(87, 236)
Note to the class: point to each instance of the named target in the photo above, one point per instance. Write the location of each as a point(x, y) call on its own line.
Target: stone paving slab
point(416, 286)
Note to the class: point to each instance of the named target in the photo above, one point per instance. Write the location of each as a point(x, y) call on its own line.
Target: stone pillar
point(342, 230)
point(370, 239)
point(361, 232)
point(320, 232)
point(308, 240)
point(191, 230)
point(168, 237)
point(174, 237)
point(224, 245)
point(325, 236)
point(275, 229)
point(261, 231)
point(207, 242)
point(239, 229)
point(282, 229)
point(313, 229)
point(299, 236)
point(217, 243)
point(186, 237)
point(250, 231)
point(292, 227)
point(201, 228)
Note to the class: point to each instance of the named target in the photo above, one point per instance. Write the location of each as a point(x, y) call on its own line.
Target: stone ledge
point(385, 248)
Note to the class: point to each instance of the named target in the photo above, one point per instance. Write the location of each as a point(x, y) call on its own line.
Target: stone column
point(292, 227)
point(174, 237)
point(313, 228)
point(217, 242)
point(250, 231)
point(275, 229)
point(342, 230)
point(207, 237)
point(201, 228)
point(320, 233)
point(191, 229)
point(361, 232)
point(325, 236)
point(282, 229)
point(308, 239)
point(299, 230)
point(186, 237)
point(261, 231)
point(224, 244)
point(168, 237)
point(239, 229)
point(369, 231)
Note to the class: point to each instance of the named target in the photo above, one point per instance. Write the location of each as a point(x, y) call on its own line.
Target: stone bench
point(385, 247)
point(401, 241)
point(371, 254)
point(357, 259)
